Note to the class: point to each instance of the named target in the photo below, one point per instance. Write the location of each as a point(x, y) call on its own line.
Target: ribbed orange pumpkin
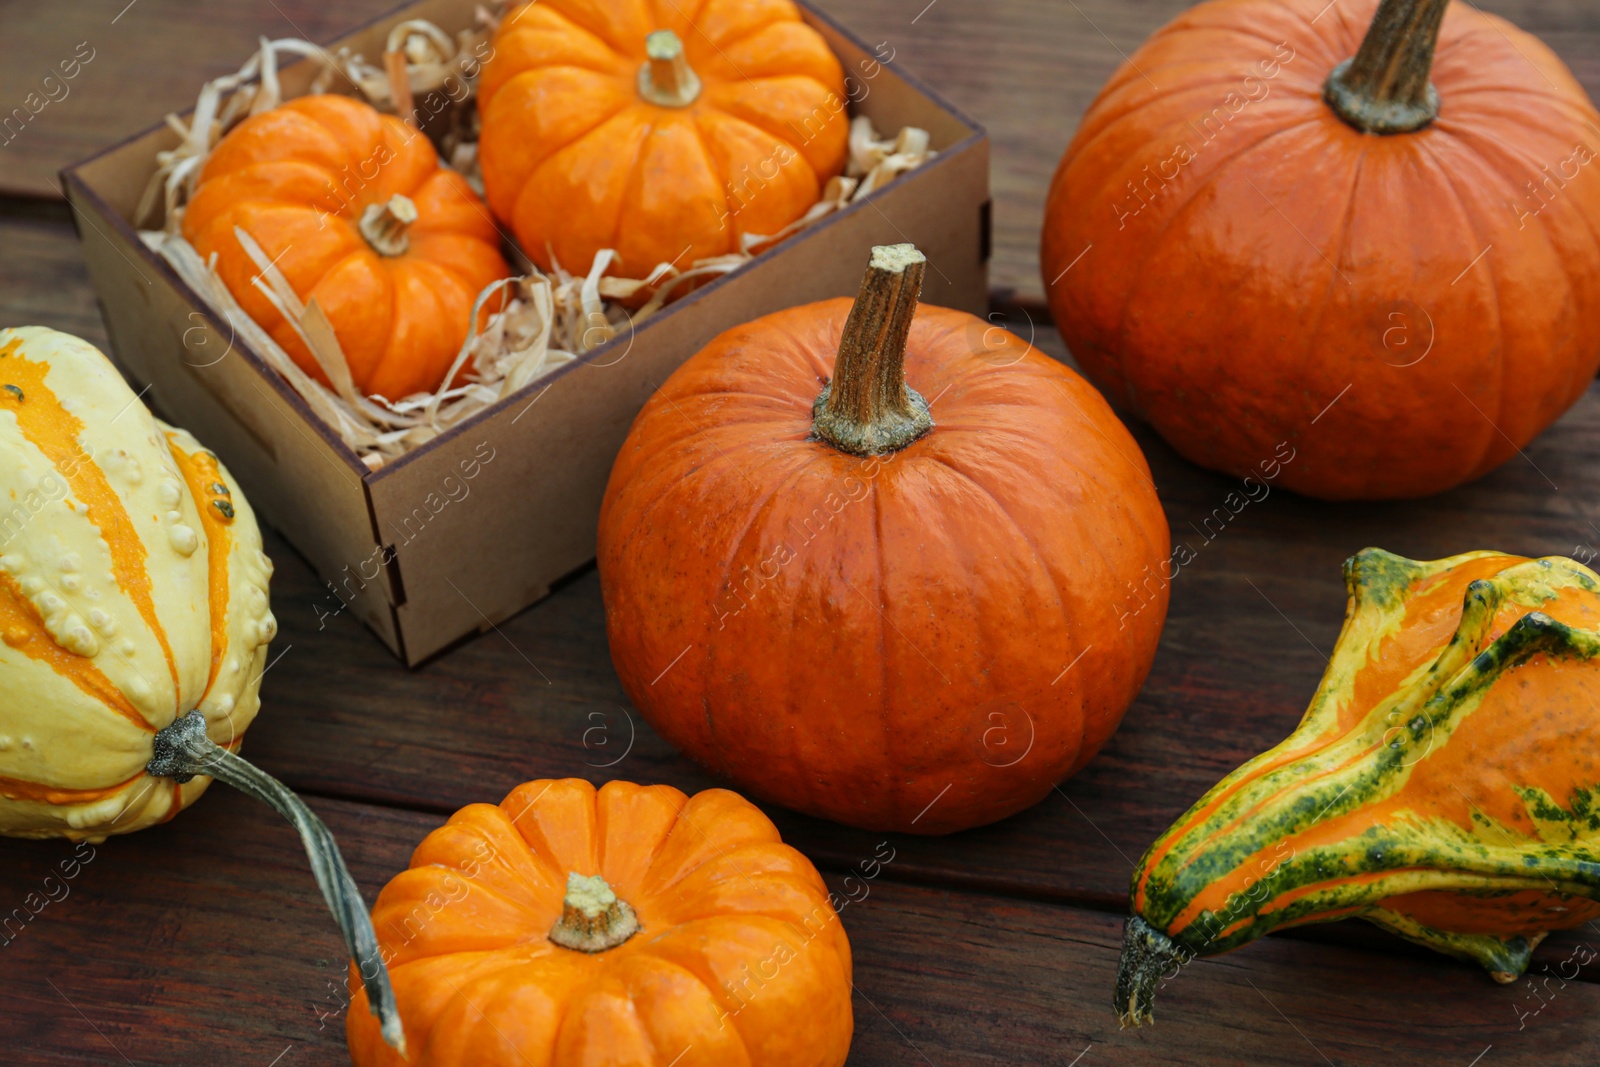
point(1250, 243)
point(633, 925)
point(898, 613)
point(661, 130)
point(355, 210)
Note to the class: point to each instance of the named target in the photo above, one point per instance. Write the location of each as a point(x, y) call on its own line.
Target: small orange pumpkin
point(1270, 229)
point(663, 131)
point(356, 212)
point(629, 925)
point(898, 613)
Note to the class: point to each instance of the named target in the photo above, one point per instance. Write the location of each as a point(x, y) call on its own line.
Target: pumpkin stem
point(182, 751)
point(868, 409)
point(1148, 956)
point(666, 77)
point(1384, 87)
point(384, 225)
point(592, 918)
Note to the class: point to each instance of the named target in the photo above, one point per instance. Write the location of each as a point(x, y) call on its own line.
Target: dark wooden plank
point(42, 276)
point(204, 941)
point(1026, 69)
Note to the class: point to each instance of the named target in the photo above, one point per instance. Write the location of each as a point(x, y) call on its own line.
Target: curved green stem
point(182, 751)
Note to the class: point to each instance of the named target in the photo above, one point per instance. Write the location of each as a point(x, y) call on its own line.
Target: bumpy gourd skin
point(1443, 783)
point(129, 595)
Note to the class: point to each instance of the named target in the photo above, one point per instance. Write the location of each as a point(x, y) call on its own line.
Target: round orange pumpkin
point(898, 613)
point(1252, 241)
point(660, 130)
point(633, 925)
point(356, 212)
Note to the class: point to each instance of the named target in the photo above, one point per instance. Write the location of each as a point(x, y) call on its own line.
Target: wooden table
point(204, 941)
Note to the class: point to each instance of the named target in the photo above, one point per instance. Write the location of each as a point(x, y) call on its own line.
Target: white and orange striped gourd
point(133, 590)
point(134, 622)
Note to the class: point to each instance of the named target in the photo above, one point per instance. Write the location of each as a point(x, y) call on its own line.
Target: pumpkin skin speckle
point(1407, 310)
point(890, 641)
point(1444, 783)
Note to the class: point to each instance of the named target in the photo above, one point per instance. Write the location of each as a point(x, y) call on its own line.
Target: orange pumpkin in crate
point(356, 212)
point(660, 130)
point(629, 925)
point(1272, 229)
point(896, 612)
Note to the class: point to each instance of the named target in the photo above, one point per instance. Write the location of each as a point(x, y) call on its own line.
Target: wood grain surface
point(204, 941)
point(389, 752)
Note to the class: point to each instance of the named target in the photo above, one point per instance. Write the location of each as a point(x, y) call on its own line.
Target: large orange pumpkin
point(664, 131)
point(1252, 241)
point(898, 613)
point(355, 210)
point(633, 925)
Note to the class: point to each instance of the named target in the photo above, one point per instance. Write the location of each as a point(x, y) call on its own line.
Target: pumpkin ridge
point(569, 26)
point(1143, 470)
point(1340, 245)
point(804, 464)
point(734, 113)
point(703, 971)
point(661, 843)
point(689, 16)
point(782, 139)
point(554, 148)
point(1110, 122)
point(1581, 375)
point(708, 154)
point(943, 460)
point(47, 425)
point(559, 7)
point(1138, 110)
point(1136, 275)
point(530, 186)
point(1463, 136)
point(648, 962)
point(748, 32)
point(1457, 92)
point(1489, 440)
